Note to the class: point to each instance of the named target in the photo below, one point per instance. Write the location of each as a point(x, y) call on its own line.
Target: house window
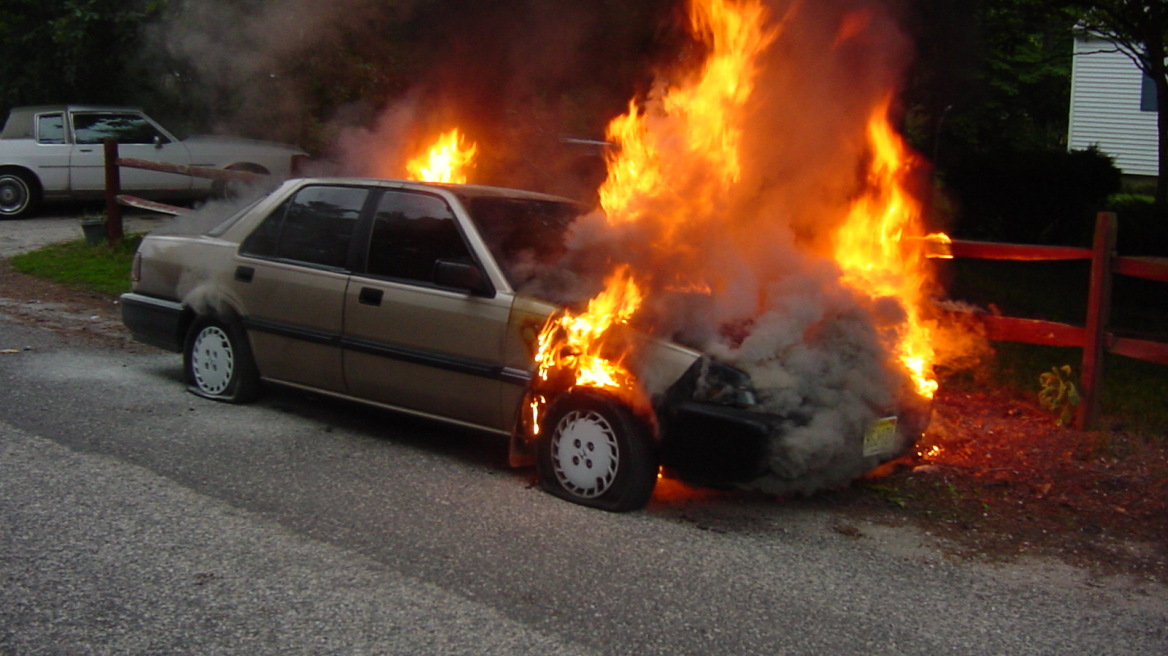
point(1148, 101)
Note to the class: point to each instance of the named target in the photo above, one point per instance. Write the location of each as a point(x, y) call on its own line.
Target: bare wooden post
point(113, 187)
point(1098, 318)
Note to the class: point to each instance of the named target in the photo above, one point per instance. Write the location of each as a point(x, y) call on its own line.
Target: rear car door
point(410, 342)
point(291, 276)
point(137, 138)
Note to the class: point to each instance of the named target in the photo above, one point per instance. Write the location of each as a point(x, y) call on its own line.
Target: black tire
point(217, 362)
point(20, 194)
point(593, 451)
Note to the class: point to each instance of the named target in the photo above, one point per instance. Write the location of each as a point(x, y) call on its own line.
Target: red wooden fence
point(1095, 338)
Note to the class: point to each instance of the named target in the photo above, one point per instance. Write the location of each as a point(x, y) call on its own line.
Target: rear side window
point(127, 128)
point(51, 129)
point(313, 227)
point(411, 232)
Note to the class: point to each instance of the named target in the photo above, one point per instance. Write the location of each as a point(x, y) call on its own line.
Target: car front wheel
point(18, 194)
point(596, 453)
point(218, 363)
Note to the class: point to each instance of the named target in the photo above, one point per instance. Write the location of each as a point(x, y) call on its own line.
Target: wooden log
point(1098, 318)
point(1031, 331)
point(223, 175)
point(1152, 268)
point(153, 206)
point(113, 186)
point(987, 250)
point(1140, 349)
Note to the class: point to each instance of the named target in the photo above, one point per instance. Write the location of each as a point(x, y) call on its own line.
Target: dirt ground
point(994, 477)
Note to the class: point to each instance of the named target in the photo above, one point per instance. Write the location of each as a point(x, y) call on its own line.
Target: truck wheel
point(594, 452)
point(217, 363)
point(19, 194)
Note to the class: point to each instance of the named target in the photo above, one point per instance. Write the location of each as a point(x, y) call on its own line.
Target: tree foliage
point(1139, 29)
point(70, 50)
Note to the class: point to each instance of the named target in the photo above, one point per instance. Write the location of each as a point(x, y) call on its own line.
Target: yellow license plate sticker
point(880, 438)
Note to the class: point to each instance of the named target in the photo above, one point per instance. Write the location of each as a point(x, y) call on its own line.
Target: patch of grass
point(103, 269)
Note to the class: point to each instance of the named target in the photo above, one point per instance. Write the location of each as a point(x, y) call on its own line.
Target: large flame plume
point(834, 336)
point(880, 248)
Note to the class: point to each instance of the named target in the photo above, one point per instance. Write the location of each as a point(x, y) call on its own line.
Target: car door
point(410, 342)
point(291, 275)
point(137, 138)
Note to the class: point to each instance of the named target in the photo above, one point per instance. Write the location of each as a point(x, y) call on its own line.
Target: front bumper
point(725, 445)
point(714, 445)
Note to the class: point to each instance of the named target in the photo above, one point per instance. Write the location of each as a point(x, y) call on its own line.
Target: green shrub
point(1037, 197)
point(1143, 227)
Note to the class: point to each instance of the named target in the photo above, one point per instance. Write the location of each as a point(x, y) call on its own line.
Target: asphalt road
point(138, 519)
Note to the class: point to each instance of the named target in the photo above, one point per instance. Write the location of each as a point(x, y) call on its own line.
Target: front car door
point(137, 138)
point(411, 343)
point(291, 276)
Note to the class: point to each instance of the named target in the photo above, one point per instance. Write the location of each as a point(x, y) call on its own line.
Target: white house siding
point(1105, 108)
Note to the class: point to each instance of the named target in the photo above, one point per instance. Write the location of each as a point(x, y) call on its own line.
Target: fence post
point(1098, 318)
point(113, 187)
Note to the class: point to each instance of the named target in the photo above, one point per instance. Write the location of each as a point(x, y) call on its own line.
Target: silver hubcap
point(585, 454)
point(212, 360)
point(13, 195)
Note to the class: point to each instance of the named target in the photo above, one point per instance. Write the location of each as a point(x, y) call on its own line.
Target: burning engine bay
point(804, 285)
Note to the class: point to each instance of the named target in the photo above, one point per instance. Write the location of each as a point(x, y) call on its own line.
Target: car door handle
point(244, 273)
point(370, 296)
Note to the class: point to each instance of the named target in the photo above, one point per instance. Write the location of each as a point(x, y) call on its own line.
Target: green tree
point(70, 50)
point(1139, 29)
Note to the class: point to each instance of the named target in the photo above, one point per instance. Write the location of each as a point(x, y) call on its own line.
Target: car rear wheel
point(596, 453)
point(218, 363)
point(19, 194)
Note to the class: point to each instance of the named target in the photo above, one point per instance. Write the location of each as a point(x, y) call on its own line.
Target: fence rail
point(1095, 337)
point(115, 199)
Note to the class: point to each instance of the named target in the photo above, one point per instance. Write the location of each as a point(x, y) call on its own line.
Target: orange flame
point(445, 161)
point(577, 345)
point(683, 146)
point(575, 342)
point(677, 156)
point(881, 250)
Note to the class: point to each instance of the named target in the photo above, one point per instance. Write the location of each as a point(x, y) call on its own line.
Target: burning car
point(446, 301)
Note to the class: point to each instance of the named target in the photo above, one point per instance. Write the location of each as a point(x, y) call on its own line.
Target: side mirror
point(157, 141)
point(464, 276)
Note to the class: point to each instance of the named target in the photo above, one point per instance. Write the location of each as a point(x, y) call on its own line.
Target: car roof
point(36, 109)
point(463, 190)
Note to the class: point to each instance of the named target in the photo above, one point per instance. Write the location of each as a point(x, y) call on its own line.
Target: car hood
point(215, 139)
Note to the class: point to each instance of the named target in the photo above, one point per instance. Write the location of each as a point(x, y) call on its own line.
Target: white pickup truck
point(55, 152)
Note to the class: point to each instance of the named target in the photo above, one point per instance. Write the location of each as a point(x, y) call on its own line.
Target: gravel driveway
point(20, 235)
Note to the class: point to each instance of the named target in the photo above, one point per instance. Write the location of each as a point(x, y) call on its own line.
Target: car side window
point(51, 129)
point(127, 128)
point(313, 227)
point(411, 232)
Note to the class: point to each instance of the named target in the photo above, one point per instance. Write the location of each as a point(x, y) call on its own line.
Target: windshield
point(528, 238)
